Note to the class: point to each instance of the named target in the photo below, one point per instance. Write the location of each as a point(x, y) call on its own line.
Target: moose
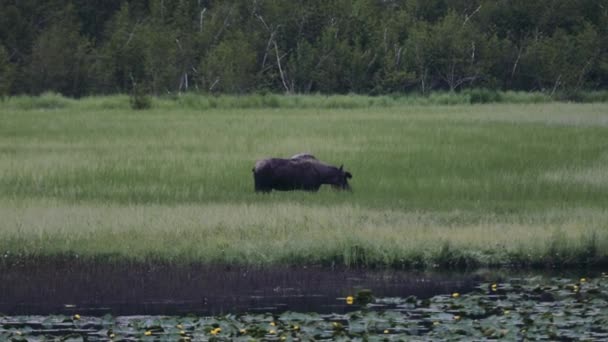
point(302, 171)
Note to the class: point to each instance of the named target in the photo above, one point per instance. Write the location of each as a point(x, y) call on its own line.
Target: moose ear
point(348, 175)
point(341, 166)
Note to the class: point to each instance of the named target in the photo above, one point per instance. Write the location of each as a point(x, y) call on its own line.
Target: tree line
point(85, 47)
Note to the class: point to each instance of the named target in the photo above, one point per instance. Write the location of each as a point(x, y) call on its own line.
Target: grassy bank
point(433, 185)
point(193, 101)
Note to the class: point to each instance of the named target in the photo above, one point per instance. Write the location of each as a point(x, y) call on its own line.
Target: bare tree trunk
point(214, 84)
point(131, 34)
point(183, 82)
point(452, 76)
point(267, 48)
point(162, 10)
point(397, 56)
point(272, 40)
point(467, 17)
point(200, 23)
point(582, 73)
point(556, 84)
point(276, 50)
point(226, 24)
point(519, 52)
point(423, 81)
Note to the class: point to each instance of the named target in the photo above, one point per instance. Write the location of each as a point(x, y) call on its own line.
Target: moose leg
point(262, 189)
point(260, 185)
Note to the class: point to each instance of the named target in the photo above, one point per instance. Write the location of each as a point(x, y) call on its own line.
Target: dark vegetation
point(82, 47)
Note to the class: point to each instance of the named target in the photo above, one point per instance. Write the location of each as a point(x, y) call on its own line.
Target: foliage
point(6, 73)
point(366, 46)
point(229, 67)
point(60, 58)
point(139, 98)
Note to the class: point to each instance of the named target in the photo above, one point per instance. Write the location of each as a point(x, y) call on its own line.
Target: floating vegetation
point(533, 308)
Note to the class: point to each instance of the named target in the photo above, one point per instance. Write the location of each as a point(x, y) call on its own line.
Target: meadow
point(436, 183)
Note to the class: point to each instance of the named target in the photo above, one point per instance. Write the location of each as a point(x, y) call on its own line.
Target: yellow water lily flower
point(272, 332)
point(76, 317)
point(583, 280)
point(179, 326)
point(386, 331)
point(148, 333)
point(455, 295)
point(457, 317)
point(507, 312)
point(350, 300)
point(273, 324)
point(242, 331)
point(296, 327)
point(494, 287)
point(436, 323)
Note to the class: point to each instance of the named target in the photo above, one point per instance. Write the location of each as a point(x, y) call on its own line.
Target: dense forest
point(85, 47)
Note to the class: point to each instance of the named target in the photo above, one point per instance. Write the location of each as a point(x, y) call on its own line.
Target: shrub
point(483, 96)
point(139, 98)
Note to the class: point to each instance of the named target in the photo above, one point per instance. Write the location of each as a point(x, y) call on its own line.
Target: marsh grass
point(452, 186)
point(50, 101)
point(292, 233)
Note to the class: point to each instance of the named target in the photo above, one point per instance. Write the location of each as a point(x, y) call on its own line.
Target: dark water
point(69, 287)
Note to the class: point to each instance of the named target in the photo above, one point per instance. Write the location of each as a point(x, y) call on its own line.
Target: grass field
point(457, 185)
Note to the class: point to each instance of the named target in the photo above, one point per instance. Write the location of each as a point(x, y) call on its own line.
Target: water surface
point(68, 287)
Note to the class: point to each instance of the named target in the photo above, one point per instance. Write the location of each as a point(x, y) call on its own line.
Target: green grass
point(456, 185)
point(51, 100)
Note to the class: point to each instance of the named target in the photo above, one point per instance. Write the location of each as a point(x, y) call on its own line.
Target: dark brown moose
point(300, 172)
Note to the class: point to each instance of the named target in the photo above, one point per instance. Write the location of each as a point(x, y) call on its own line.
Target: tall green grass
point(51, 101)
point(293, 233)
point(433, 185)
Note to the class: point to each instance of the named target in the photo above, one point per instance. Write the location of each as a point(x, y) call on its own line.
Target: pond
point(78, 301)
point(131, 289)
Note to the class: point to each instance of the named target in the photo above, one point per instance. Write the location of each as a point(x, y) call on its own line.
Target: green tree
point(455, 51)
point(185, 26)
point(230, 66)
point(60, 58)
point(562, 61)
point(160, 59)
point(364, 46)
point(301, 66)
point(7, 73)
point(395, 65)
point(333, 62)
point(120, 60)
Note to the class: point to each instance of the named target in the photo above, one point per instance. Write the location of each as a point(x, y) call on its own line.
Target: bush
point(139, 98)
point(583, 96)
point(483, 96)
point(45, 101)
